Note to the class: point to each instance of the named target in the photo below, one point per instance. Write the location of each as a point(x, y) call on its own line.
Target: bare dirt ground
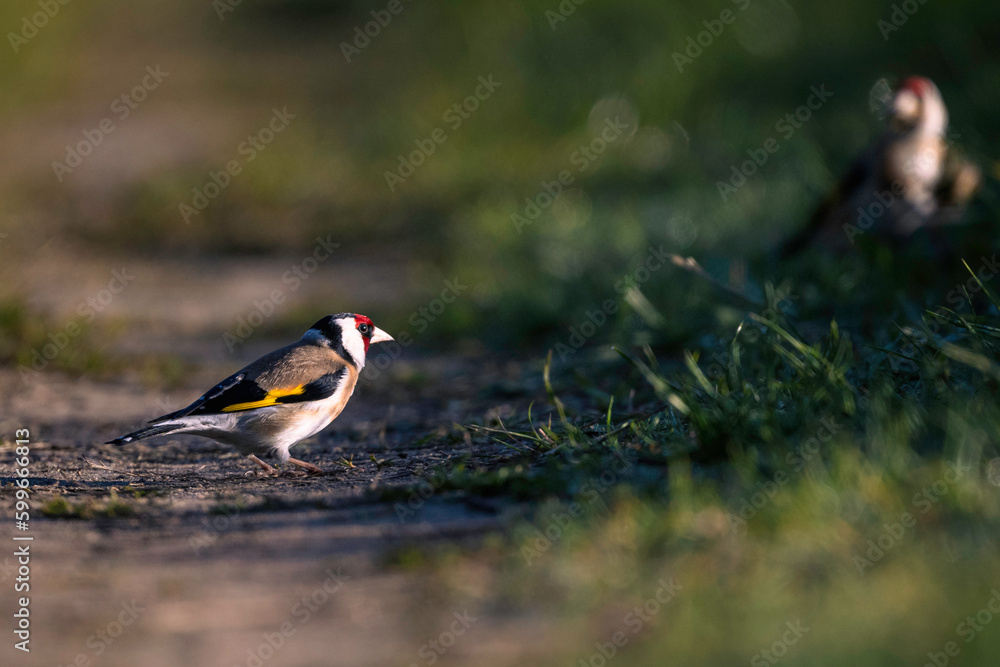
point(175, 552)
point(217, 556)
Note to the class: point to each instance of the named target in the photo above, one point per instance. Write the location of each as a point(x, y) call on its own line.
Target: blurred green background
point(229, 66)
point(448, 230)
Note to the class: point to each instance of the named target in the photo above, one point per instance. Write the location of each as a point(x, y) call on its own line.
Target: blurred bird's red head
point(917, 85)
point(917, 102)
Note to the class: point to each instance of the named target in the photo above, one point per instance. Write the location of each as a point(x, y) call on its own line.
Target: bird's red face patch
point(917, 85)
point(366, 328)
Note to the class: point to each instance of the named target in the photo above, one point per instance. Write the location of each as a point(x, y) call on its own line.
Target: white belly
point(273, 429)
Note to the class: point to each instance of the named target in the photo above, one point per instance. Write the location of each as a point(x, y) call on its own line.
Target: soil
point(175, 551)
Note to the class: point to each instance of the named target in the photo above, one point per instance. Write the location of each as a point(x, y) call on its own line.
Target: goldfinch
point(283, 397)
point(909, 179)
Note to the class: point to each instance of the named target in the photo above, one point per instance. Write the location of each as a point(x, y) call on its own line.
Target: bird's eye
point(364, 328)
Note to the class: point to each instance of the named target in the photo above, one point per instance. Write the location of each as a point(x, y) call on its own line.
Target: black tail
point(144, 433)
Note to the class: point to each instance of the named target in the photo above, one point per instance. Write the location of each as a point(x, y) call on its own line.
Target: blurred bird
point(283, 397)
point(909, 179)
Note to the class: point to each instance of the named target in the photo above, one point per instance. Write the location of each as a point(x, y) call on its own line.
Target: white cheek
point(355, 346)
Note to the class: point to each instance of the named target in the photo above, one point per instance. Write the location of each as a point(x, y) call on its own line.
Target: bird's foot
point(308, 467)
point(267, 468)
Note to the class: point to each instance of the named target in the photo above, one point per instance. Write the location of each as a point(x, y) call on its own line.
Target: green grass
point(111, 507)
point(32, 344)
point(830, 483)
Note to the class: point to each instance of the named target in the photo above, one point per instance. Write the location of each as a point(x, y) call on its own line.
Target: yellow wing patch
point(271, 398)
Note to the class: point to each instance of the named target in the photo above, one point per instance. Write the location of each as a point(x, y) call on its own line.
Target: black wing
point(855, 177)
point(236, 394)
